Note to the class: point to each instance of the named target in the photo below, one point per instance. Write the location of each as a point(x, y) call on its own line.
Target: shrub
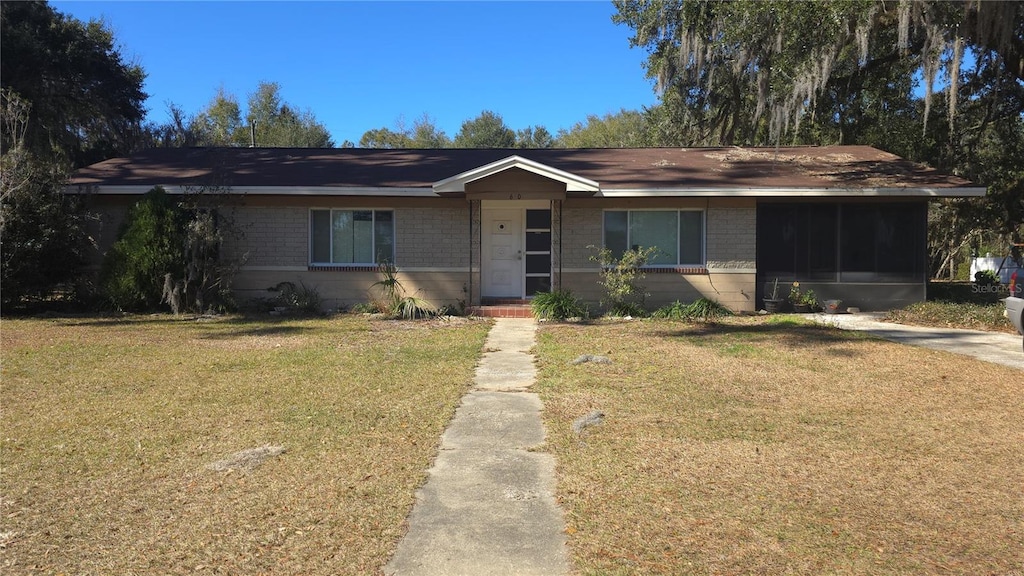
point(673, 311)
point(558, 305)
point(986, 278)
point(301, 298)
point(149, 246)
point(706, 310)
point(411, 308)
point(700, 310)
point(392, 300)
point(620, 279)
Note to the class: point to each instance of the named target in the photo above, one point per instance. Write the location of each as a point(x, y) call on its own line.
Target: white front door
point(502, 247)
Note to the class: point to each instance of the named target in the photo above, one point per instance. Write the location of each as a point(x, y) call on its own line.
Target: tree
point(42, 237)
point(424, 133)
point(627, 129)
point(268, 120)
point(385, 138)
point(280, 124)
point(220, 124)
point(86, 101)
point(488, 130)
point(843, 71)
point(535, 137)
point(736, 63)
point(68, 99)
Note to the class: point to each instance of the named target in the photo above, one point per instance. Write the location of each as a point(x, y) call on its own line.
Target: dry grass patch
point(972, 316)
point(110, 429)
point(772, 448)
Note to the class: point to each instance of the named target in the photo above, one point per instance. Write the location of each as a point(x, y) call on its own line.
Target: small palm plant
point(393, 300)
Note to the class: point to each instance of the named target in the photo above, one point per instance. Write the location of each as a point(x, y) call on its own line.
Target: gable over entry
point(515, 207)
point(512, 176)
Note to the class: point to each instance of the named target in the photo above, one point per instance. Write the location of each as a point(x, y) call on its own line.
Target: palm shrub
point(557, 305)
point(391, 298)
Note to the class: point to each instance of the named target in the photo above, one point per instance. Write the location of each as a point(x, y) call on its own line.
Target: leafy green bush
point(986, 278)
point(149, 246)
point(624, 295)
point(700, 310)
point(558, 305)
point(673, 311)
point(633, 309)
point(706, 310)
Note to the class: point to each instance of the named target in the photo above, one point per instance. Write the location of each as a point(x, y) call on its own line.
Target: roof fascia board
point(379, 191)
point(924, 192)
point(573, 183)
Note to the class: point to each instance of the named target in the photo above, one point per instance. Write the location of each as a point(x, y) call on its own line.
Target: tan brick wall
point(432, 237)
point(342, 288)
point(269, 235)
point(731, 236)
point(734, 290)
point(424, 237)
point(581, 227)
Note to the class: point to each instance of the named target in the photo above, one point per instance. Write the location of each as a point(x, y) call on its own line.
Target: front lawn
point(765, 446)
point(109, 428)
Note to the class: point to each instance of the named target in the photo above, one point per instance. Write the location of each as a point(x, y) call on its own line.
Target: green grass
point(772, 446)
point(109, 426)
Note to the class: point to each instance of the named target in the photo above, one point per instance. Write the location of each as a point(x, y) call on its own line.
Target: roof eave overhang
point(457, 184)
point(377, 191)
point(913, 192)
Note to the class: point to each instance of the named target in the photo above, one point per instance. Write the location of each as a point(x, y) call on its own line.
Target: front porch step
point(502, 311)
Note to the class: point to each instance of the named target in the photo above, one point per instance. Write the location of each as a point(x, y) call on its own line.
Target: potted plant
point(803, 301)
point(833, 306)
point(772, 302)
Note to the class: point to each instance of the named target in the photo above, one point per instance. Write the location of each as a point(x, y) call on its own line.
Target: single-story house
point(479, 226)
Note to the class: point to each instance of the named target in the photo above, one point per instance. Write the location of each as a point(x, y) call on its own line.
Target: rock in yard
point(247, 459)
point(592, 358)
point(583, 422)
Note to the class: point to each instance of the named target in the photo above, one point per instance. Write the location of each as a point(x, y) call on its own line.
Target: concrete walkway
point(994, 347)
point(488, 506)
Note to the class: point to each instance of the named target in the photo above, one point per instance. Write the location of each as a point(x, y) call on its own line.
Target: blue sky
point(364, 65)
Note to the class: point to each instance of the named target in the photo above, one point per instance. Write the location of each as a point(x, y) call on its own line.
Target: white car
point(1015, 312)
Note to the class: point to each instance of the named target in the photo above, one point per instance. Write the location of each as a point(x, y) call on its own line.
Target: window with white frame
point(351, 236)
point(678, 235)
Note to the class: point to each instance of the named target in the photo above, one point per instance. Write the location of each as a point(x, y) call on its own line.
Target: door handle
point(519, 254)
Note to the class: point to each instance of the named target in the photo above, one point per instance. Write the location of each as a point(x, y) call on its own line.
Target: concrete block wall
point(269, 235)
point(432, 237)
point(343, 288)
point(731, 237)
point(581, 227)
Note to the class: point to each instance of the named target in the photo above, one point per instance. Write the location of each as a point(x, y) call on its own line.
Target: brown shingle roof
point(619, 168)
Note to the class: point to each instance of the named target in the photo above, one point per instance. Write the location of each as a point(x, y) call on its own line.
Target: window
point(678, 235)
point(351, 236)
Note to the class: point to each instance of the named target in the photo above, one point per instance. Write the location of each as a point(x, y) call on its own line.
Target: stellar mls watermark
point(1000, 289)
